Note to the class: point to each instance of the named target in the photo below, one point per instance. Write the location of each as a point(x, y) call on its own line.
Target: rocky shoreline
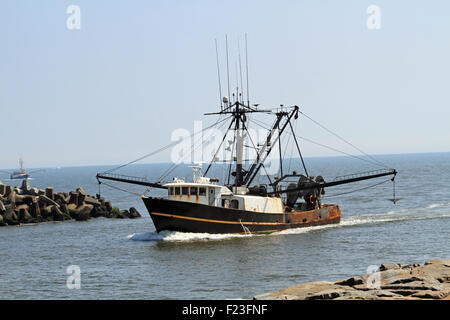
point(24, 205)
point(392, 281)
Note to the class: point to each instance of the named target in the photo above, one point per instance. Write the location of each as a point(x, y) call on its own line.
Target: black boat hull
point(193, 217)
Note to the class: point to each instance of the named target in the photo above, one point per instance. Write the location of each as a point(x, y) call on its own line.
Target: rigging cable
point(120, 189)
point(364, 188)
point(163, 148)
point(193, 149)
point(264, 125)
point(339, 137)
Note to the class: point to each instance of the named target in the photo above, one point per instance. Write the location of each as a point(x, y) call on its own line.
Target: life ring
point(311, 199)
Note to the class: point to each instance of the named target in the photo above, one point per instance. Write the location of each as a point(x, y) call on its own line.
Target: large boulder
point(12, 197)
point(392, 281)
point(133, 213)
point(25, 199)
point(33, 192)
point(49, 192)
point(113, 213)
point(91, 200)
point(123, 214)
point(8, 190)
point(46, 200)
point(2, 222)
point(60, 198)
point(99, 211)
point(81, 196)
point(25, 186)
point(10, 217)
point(2, 189)
point(108, 206)
point(35, 211)
point(73, 198)
point(25, 216)
point(57, 214)
point(81, 213)
point(46, 213)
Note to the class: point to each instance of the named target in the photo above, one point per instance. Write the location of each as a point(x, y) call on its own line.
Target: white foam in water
point(390, 216)
point(181, 236)
point(146, 236)
point(438, 205)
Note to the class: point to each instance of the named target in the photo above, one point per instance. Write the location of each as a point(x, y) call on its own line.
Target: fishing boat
point(241, 203)
point(204, 205)
point(21, 174)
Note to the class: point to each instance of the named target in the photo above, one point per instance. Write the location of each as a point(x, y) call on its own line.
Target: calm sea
point(127, 259)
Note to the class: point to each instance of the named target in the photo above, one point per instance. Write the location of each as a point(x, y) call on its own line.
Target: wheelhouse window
point(194, 191)
point(234, 204)
point(171, 191)
point(177, 191)
point(202, 191)
point(185, 190)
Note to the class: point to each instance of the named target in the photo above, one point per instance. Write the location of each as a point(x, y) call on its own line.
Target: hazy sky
point(116, 88)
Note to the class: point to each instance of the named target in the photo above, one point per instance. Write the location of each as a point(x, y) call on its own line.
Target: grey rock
point(73, 198)
point(49, 193)
point(10, 217)
point(57, 214)
point(81, 191)
point(24, 216)
point(389, 266)
point(91, 200)
point(47, 200)
point(133, 213)
point(25, 186)
point(8, 190)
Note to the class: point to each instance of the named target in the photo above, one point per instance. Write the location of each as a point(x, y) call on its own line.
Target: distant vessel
point(22, 174)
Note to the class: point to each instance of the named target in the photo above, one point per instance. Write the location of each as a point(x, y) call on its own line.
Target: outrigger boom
point(129, 179)
point(359, 177)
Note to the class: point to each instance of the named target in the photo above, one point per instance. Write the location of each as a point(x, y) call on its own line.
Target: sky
point(135, 71)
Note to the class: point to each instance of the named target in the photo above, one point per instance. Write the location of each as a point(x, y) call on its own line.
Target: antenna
point(240, 71)
point(246, 62)
point(237, 81)
point(228, 68)
point(218, 76)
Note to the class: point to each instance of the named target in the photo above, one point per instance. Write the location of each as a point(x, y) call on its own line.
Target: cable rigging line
point(264, 125)
point(165, 147)
point(356, 190)
point(339, 137)
point(193, 149)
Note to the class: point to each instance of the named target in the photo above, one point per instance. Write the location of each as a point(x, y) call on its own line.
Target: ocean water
point(127, 259)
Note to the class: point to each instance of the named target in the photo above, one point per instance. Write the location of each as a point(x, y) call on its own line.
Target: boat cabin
point(206, 192)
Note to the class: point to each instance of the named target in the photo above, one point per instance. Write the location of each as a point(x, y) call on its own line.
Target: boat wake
point(175, 236)
point(432, 211)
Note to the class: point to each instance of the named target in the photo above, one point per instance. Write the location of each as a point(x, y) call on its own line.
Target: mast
point(238, 181)
point(21, 165)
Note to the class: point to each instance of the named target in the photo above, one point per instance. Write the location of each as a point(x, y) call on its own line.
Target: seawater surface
point(127, 259)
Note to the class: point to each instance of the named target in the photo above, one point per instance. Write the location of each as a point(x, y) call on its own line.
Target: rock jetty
point(392, 281)
point(22, 205)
